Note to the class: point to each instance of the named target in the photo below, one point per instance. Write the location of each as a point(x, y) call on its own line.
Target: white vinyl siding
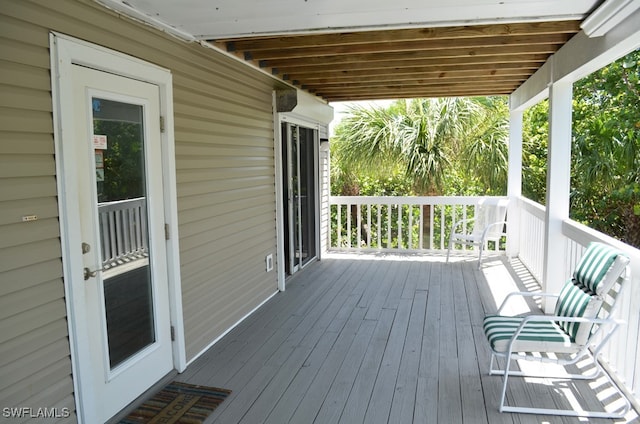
point(35, 367)
point(225, 184)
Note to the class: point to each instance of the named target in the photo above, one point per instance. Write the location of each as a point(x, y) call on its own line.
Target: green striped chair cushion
point(582, 296)
point(594, 266)
point(575, 302)
point(535, 336)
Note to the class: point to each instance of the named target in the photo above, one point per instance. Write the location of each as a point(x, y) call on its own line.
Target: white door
point(121, 297)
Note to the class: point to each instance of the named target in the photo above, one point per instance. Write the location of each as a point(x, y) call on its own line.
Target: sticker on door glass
point(99, 155)
point(100, 142)
point(99, 159)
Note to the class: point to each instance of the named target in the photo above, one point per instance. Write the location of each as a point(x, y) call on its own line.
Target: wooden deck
point(378, 339)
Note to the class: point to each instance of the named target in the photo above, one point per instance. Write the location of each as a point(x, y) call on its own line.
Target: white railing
point(389, 223)
point(622, 353)
point(123, 231)
point(531, 228)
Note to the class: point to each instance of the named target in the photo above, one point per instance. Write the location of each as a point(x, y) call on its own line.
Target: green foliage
point(459, 147)
point(535, 135)
point(605, 164)
point(606, 150)
point(430, 142)
point(485, 149)
point(123, 161)
point(395, 185)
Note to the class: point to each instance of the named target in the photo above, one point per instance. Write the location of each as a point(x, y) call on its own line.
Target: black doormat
point(178, 403)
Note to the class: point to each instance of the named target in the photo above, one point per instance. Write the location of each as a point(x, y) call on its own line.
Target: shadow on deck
point(380, 339)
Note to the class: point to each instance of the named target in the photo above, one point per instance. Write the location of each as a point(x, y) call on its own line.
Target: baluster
point(400, 244)
point(120, 233)
point(143, 227)
point(133, 227)
point(112, 234)
point(442, 226)
point(349, 226)
point(379, 226)
point(139, 235)
point(421, 226)
point(410, 229)
point(389, 226)
point(432, 210)
point(369, 225)
point(453, 217)
point(359, 224)
point(339, 229)
point(104, 230)
point(126, 231)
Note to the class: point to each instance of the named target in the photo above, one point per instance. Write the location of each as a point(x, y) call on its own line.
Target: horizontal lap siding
point(225, 185)
point(226, 201)
point(35, 367)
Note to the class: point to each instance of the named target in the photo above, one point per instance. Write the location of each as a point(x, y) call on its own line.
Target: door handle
point(90, 274)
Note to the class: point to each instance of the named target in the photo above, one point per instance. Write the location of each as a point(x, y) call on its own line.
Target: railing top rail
point(121, 204)
point(584, 235)
point(407, 200)
point(534, 208)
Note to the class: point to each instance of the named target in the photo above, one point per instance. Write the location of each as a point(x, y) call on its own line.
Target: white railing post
point(514, 182)
point(558, 185)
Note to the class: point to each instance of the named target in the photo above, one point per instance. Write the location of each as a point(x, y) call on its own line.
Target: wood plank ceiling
point(407, 63)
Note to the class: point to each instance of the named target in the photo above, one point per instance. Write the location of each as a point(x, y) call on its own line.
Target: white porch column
point(514, 182)
point(558, 186)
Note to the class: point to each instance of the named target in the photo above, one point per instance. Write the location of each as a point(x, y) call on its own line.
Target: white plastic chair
point(488, 224)
point(582, 323)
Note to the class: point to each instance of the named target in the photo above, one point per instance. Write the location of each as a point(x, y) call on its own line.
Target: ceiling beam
point(437, 33)
point(526, 60)
point(415, 62)
point(413, 55)
point(555, 40)
point(409, 73)
point(418, 87)
point(410, 94)
point(415, 82)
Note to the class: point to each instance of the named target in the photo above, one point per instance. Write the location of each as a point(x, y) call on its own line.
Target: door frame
point(294, 119)
point(65, 53)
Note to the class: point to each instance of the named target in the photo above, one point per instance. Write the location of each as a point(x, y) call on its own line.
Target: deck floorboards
point(376, 339)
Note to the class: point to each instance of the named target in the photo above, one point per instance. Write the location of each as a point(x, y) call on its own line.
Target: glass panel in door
point(121, 186)
point(298, 152)
point(295, 194)
point(307, 194)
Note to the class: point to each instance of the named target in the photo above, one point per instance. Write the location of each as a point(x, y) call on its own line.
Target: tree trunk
point(426, 226)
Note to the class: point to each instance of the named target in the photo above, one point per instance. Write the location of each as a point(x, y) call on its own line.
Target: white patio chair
point(488, 224)
point(581, 325)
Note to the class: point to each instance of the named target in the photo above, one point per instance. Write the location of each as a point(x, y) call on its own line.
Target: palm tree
point(423, 139)
point(486, 147)
point(416, 135)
